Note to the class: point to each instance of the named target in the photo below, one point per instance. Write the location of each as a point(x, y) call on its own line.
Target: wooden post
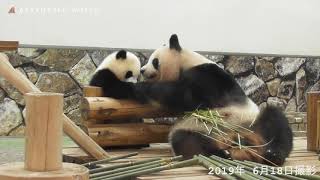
point(43, 131)
point(318, 126)
point(312, 125)
point(43, 148)
point(19, 81)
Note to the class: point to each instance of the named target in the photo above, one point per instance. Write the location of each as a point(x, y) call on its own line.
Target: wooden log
point(9, 45)
point(107, 135)
point(18, 80)
point(312, 99)
point(43, 149)
point(104, 108)
point(92, 91)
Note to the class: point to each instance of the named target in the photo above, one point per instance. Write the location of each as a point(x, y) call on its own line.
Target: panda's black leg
point(273, 126)
point(190, 143)
point(275, 156)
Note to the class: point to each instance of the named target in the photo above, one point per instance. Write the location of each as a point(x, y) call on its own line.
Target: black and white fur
point(188, 81)
point(121, 66)
point(182, 80)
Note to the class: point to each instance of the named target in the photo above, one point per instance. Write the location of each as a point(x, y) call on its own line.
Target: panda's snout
point(142, 71)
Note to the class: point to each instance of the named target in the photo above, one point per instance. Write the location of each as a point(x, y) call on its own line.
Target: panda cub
point(121, 66)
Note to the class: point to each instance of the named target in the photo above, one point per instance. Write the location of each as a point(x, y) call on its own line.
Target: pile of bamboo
point(223, 168)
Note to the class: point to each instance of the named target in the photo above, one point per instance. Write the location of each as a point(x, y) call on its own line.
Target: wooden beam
point(312, 125)
point(107, 135)
point(9, 45)
point(105, 108)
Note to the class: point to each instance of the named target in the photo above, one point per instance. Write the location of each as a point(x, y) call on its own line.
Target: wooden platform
point(300, 156)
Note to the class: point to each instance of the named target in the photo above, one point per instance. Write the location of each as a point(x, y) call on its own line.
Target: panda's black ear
point(122, 54)
point(174, 42)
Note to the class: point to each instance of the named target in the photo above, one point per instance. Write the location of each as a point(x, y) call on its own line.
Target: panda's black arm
point(111, 85)
point(175, 95)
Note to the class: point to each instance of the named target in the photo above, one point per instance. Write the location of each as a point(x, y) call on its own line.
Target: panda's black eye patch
point(128, 74)
point(155, 63)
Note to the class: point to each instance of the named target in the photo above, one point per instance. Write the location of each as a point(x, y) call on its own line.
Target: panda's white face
point(125, 65)
point(166, 63)
point(163, 65)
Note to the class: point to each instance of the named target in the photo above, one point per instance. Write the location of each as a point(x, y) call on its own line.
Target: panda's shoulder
point(208, 69)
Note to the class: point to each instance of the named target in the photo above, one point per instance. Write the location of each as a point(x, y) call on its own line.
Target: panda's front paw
point(274, 156)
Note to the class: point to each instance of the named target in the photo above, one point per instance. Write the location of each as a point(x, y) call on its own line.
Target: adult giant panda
point(181, 80)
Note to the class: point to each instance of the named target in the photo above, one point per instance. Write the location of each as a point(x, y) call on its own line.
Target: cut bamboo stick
point(103, 161)
point(129, 134)
point(18, 80)
point(123, 165)
point(104, 108)
point(312, 126)
point(43, 131)
point(152, 169)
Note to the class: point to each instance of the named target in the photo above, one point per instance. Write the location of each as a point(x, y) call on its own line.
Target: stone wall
point(267, 80)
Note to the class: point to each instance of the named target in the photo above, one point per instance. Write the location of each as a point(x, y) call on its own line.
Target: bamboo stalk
point(123, 173)
point(181, 164)
point(246, 175)
point(310, 177)
point(125, 169)
point(93, 171)
point(109, 159)
point(251, 170)
point(253, 164)
point(207, 164)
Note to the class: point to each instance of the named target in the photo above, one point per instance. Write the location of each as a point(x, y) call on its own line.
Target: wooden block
point(92, 91)
point(43, 151)
point(9, 45)
point(104, 108)
point(129, 134)
point(312, 99)
point(15, 171)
